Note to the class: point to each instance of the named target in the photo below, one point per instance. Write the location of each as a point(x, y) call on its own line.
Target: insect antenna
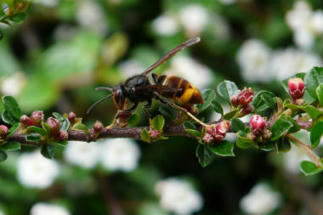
point(98, 102)
point(104, 88)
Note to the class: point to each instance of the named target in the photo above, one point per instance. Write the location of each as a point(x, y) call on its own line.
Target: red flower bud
point(4, 131)
point(234, 101)
point(257, 124)
point(54, 125)
point(248, 109)
point(219, 131)
point(97, 126)
point(154, 133)
point(24, 119)
point(71, 117)
point(208, 138)
point(245, 97)
point(62, 135)
point(296, 88)
point(36, 118)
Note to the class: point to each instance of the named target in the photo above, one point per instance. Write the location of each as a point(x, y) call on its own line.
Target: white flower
point(120, 154)
point(227, 1)
point(260, 200)
point(288, 62)
point(178, 196)
point(253, 58)
point(83, 154)
point(194, 18)
point(12, 85)
point(48, 209)
point(165, 25)
point(317, 21)
point(36, 171)
point(2, 213)
point(92, 16)
point(293, 158)
point(303, 39)
point(130, 68)
point(186, 67)
point(298, 17)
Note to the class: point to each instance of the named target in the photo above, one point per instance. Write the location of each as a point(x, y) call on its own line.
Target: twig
point(306, 148)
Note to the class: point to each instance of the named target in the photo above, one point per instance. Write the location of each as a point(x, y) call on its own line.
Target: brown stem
point(306, 148)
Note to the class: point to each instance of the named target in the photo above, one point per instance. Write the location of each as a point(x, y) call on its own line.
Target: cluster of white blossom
point(259, 63)
point(113, 154)
point(293, 158)
point(305, 23)
point(92, 16)
point(13, 84)
point(194, 18)
point(42, 208)
point(260, 200)
point(178, 196)
point(36, 171)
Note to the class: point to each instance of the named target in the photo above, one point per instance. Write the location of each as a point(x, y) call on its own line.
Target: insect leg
point(133, 107)
point(180, 108)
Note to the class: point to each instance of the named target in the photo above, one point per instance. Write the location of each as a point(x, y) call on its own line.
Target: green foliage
point(263, 101)
point(309, 168)
point(319, 93)
point(238, 125)
point(313, 79)
point(227, 89)
point(280, 128)
point(209, 96)
point(11, 146)
point(158, 123)
point(204, 154)
point(145, 136)
point(223, 148)
point(11, 106)
point(316, 133)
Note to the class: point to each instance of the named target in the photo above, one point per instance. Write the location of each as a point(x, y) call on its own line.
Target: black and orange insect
point(140, 88)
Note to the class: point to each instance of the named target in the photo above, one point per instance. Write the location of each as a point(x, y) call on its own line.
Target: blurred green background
point(54, 59)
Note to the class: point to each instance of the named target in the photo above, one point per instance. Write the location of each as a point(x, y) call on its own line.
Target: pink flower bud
point(234, 101)
point(36, 118)
point(71, 117)
point(257, 124)
point(219, 131)
point(24, 119)
point(296, 88)
point(62, 135)
point(54, 125)
point(208, 138)
point(245, 97)
point(4, 131)
point(97, 126)
point(154, 133)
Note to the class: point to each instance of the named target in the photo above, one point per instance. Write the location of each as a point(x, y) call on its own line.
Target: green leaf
point(267, 146)
point(65, 124)
point(134, 119)
point(3, 156)
point(204, 154)
point(217, 107)
point(243, 142)
point(263, 100)
point(193, 132)
point(312, 111)
point(316, 133)
point(238, 125)
point(47, 151)
point(282, 145)
point(35, 138)
point(209, 96)
point(223, 148)
point(8, 118)
point(12, 107)
point(309, 168)
point(58, 116)
point(158, 122)
point(319, 93)
point(229, 115)
point(81, 127)
point(313, 79)
point(145, 136)
point(38, 130)
point(168, 112)
point(295, 127)
point(227, 89)
point(11, 146)
point(18, 17)
point(280, 128)
point(189, 125)
point(13, 129)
